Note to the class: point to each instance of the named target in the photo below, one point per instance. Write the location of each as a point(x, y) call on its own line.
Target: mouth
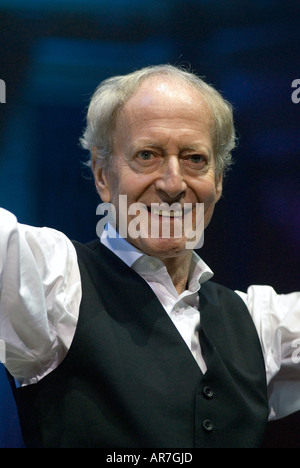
point(165, 213)
point(164, 210)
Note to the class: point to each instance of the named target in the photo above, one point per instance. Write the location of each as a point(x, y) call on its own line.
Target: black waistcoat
point(129, 379)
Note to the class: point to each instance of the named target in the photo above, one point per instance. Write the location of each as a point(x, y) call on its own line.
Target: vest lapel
point(139, 309)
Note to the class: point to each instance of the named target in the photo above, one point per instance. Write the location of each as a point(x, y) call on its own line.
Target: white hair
point(111, 95)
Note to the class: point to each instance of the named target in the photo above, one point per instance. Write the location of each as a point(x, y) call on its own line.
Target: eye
point(145, 155)
point(145, 160)
point(195, 161)
point(196, 158)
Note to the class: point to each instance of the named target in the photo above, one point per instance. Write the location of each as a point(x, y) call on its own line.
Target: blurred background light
point(54, 53)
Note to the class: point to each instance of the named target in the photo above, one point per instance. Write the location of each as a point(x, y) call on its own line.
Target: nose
point(170, 183)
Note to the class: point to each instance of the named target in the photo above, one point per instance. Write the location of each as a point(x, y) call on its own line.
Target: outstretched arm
point(277, 320)
point(40, 293)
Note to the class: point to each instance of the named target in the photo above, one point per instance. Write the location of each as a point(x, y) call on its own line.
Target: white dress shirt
point(40, 294)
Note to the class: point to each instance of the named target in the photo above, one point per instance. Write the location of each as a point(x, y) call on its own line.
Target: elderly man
point(125, 342)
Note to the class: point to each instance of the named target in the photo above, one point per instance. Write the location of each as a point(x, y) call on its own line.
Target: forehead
point(163, 87)
point(167, 97)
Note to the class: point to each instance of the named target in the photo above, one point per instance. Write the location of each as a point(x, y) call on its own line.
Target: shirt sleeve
point(277, 320)
point(40, 293)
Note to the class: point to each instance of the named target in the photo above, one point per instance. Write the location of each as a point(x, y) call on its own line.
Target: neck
point(178, 269)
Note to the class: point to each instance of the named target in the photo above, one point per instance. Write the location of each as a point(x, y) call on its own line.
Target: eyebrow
point(194, 147)
point(151, 144)
point(148, 143)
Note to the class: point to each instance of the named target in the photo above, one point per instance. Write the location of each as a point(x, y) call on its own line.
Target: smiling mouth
point(166, 212)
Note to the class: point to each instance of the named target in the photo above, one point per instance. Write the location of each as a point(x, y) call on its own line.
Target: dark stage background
point(53, 53)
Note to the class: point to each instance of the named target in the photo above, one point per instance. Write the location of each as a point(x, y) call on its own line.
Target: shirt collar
point(143, 264)
point(119, 246)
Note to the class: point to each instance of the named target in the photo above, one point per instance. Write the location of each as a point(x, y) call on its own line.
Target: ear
point(100, 177)
point(219, 186)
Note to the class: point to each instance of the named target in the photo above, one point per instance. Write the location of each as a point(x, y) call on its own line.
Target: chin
point(162, 248)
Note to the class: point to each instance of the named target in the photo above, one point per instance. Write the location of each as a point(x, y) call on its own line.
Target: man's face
point(163, 152)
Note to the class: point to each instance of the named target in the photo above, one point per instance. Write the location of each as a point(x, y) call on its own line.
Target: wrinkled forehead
point(167, 91)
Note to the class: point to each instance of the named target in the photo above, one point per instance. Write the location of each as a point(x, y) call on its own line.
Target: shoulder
point(95, 256)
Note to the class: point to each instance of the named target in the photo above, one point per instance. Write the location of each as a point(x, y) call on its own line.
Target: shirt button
point(153, 265)
point(208, 392)
point(207, 425)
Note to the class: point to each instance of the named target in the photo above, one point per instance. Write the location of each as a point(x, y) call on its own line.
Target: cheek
point(206, 193)
point(117, 182)
point(132, 184)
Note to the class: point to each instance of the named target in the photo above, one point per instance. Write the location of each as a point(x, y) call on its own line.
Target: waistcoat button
point(207, 425)
point(208, 392)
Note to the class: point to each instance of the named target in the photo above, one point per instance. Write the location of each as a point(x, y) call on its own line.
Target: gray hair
point(111, 95)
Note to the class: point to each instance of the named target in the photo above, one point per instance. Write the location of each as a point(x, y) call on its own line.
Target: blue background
point(54, 53)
